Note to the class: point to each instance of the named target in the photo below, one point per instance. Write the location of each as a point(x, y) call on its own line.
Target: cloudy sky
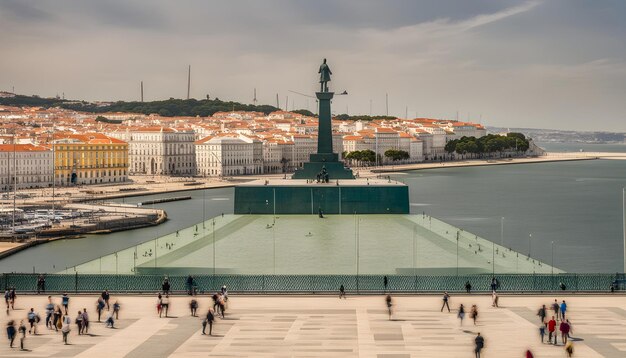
point(538, 63)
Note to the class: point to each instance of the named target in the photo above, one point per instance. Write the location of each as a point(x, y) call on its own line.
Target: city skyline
point(556, 64)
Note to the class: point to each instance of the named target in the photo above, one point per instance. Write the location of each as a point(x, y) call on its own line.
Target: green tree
point(396, 155)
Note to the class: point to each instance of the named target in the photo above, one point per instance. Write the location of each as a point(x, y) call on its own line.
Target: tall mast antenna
point(188, 81)
point(141, 91)
point(254, 99)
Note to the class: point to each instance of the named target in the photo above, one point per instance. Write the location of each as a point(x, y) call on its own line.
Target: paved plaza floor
point(324, 326)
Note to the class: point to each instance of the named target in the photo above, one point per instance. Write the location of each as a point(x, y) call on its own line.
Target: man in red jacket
point(551, 330)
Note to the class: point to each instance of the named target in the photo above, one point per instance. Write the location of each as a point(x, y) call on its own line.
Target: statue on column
point(325, 73)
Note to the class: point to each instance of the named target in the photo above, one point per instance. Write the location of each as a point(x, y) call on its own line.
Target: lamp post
point(213, 223)
point(530, 236)
point(624, 223)
point(552, 262)
point(502, 231)
point(457, 252)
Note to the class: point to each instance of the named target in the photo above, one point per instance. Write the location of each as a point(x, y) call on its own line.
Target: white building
point(160, 150)
point(223, 155)
point(27, 165)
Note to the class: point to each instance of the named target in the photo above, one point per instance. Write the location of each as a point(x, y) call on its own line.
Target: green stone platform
point(348, 245)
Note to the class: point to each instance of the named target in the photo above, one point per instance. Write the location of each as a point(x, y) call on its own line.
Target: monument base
point(335, 171)
point(360, 196)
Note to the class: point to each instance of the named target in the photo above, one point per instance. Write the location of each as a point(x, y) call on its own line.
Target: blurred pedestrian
point(65, 301)
point(11, 332)
point(208, 321)
point(529, 354)
point(569, 349)
point(563, 308)
point(159, 304)
point(106, 296)
point(12, 297)
point(385, 282)
point(66, 327)
point(474, 313)
point(552, 330)
point(564, 328)
point(479, 343)
point(461, 314)
point(79, 322)
point(85, 321)
point(221, 300)
point(56, 317)
point(49, 312)
point(542, 314)
point(494, 299)
point(165, 305)
point(22, 332)
point(445, 298)
point(556, 308)
point(389, 305)
point(100, 307)
point(116, 309)
point(224, 292)
point(109, 322)
point(33, 319)
point(7, 294)
point(542, 331)
point(193, 306)
point(342, 292)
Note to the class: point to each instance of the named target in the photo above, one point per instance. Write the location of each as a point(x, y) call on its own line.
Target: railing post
point(76, 282)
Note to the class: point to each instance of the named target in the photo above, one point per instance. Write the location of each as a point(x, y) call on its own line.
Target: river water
point(578, 205)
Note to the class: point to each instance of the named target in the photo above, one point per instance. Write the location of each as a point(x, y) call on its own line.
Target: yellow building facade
point(91, 158)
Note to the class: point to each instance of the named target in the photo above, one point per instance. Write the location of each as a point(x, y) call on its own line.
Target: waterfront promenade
point(324, 326)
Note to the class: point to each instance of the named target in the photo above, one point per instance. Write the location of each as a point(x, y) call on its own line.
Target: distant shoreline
point(548, 158)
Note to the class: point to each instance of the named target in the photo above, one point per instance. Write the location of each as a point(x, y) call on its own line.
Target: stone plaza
point(325, 326)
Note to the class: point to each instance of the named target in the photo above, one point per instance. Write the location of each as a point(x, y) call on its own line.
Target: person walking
point(542, 314)
point(79, 322)
point(494, 299)
point(32, 321)
point(551, 330)
point(216, 304)
point(7, 294)
point(66, 327)
point(116, 309)
point(494, 284)
point(342, 292)
point(11, 332)
point(564, 328)
point(445, 298)
point(563, 308)
point(100, 307)
point(389, 305)
point(193, 306)
point(529, 354)
point(49, 312)
point(85, 321)
point(479, 343)
point(569, 349)
point(12, 297)
point(208, 321)
point(221, 301)
point(65, 301)
point(461, 314)
point(159, 304)
point(110, 322)
point(106, 296)
point(56, 317)
point(165, 304)
point(542, 331)
point(556, 308)
point(22, 332)
point(474, 313)
point(385, 282)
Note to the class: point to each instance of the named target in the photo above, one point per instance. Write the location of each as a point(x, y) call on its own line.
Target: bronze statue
point(325, 73)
